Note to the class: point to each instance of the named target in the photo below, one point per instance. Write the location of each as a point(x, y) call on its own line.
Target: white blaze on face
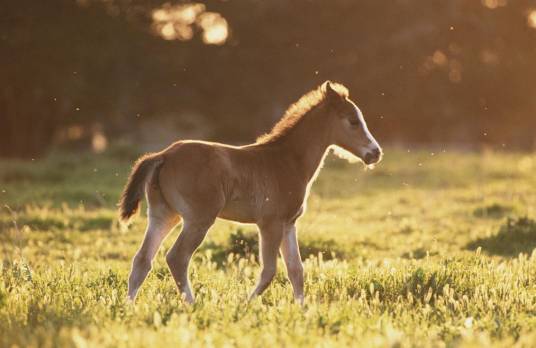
point(372, 143)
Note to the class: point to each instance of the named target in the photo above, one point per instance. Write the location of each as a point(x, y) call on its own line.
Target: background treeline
point(424, 72)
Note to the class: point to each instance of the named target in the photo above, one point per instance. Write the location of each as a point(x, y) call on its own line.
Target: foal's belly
point(239, 211)
point(246, 211)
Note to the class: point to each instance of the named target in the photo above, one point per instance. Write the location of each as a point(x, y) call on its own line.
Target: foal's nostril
point(372, 156)
point(369, 157)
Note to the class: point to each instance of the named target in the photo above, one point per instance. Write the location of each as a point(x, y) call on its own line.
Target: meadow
point(430, 249)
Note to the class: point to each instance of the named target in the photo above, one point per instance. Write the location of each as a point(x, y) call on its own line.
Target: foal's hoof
point(252, 297)
point(188, 299)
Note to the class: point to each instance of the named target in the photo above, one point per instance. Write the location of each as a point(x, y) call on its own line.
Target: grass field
point(427, 250)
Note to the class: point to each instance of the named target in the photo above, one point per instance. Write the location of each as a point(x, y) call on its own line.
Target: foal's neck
point(307, 144)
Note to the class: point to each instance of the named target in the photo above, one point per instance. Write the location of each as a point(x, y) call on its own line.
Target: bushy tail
point(133, 191)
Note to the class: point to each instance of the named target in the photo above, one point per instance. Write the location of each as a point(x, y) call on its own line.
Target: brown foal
point(265, 183)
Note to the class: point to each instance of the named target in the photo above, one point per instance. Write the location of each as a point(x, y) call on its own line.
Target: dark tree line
point(423, 71)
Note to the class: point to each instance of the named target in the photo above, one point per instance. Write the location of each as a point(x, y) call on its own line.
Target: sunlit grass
point(424, 251)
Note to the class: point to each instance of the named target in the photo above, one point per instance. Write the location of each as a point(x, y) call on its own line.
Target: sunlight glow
point(493, 4)
point(99, 143)
point(180, 22)
point(439, 58)
point(175, 22)
point(74, 132)
point(185, 14)
point(531, 19)
point(214, 27)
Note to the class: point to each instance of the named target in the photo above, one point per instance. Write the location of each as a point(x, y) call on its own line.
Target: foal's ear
point(331, 93)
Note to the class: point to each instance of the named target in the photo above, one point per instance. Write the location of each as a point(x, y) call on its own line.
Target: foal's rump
point(189, 175)
point(192, 177)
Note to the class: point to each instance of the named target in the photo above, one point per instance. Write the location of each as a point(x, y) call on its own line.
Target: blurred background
point(84, 74)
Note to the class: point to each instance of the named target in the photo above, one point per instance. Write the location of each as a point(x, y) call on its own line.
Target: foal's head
point(350, 130)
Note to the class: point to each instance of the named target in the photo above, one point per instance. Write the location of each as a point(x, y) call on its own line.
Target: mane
point(298, 111)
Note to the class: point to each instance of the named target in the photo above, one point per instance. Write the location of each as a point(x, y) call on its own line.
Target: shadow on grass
point(492, 211)
point(514, 236)
point(246, 244)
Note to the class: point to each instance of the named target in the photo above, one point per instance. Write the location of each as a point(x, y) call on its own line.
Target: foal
point(265, 183)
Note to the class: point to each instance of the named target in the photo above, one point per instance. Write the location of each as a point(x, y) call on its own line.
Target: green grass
point(427, 250)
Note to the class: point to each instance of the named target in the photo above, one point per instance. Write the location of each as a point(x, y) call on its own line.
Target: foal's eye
point(354, 122)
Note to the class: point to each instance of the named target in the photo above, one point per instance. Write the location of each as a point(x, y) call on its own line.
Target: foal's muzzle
point(372, 156)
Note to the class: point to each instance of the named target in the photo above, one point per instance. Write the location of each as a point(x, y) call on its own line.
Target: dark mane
point(297, 111)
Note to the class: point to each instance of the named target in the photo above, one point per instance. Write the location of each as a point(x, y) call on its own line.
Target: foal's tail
point(133, 191)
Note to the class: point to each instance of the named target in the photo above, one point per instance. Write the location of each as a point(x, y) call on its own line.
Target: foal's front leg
point(291, 254)
point(270, 241)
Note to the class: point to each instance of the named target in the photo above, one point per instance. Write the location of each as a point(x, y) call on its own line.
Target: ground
point(430, 249)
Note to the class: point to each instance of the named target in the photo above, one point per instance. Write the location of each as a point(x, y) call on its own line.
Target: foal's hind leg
point(178, 257)
point(161, 220)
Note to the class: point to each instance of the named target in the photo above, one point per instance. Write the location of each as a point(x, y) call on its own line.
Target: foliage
point(401, 274)
point(460, 69)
